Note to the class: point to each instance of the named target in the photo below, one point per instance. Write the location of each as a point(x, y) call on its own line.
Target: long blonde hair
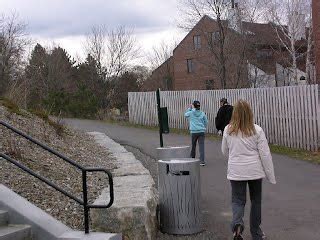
point(242, 120)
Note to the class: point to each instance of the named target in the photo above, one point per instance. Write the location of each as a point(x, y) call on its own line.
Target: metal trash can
point(167, 153)
point(179, 196)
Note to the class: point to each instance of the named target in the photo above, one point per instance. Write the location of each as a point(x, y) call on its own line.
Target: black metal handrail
point(84, 170)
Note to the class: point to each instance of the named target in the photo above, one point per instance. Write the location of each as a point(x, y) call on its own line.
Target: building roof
point(162, 64)
point(195, 26)
point(258, 33)
point(267, 33)
point(261, 33)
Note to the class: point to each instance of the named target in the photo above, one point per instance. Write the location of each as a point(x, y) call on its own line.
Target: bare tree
point(13, 43)
point(193, 10)
point(95, 45)
point(113, 50)
point(122, 49)
point(289, 18)
point(310, 64)
point(252, 10)
point(161, 53)
point(161, 66)
point(258, 78)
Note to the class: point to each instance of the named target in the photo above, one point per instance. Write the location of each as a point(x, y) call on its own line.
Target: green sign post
point(162, 118)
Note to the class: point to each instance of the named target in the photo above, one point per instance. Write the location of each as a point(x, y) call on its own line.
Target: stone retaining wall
point(133, 212)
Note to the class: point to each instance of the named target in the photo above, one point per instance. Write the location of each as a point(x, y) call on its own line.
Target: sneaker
point(202, 164)
point(237, 235)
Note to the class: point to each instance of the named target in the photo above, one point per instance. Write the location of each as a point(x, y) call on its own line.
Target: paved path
point(291, 208)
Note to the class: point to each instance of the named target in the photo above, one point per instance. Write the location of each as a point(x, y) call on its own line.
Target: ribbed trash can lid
point(179, 160)
point(173, 147)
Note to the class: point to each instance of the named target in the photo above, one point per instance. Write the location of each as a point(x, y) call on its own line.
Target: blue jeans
point(197, 137)
point(239, 193)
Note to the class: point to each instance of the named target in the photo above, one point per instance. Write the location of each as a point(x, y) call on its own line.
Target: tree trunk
point(222, 59)
point(294, 61)
point(308, 58)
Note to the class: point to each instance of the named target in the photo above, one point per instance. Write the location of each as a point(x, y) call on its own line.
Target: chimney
point(234, 20)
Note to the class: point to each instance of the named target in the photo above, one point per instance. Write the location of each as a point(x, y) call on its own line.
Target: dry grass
point(55, 122)
point(309, 156)
point(11, 106)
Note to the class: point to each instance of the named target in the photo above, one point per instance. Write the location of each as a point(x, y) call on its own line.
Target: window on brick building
point(209, 84)
point(215, 36)
point(197, 42)
point(190, 65)
point(264, 53)
point(299, 55)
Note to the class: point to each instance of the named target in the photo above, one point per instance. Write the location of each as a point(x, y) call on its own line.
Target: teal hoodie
point(197, 120)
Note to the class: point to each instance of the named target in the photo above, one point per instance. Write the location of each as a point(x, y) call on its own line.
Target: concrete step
point(4, 218)
point(76, 235)
point(15, 232)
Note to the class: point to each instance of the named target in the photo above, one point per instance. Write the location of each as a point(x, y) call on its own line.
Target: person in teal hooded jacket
point(197, 125)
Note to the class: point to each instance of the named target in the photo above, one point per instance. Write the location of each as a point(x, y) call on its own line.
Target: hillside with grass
point(51, 131)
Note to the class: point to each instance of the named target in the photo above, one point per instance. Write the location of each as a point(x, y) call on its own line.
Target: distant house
point(254, 57)
point(316, 29)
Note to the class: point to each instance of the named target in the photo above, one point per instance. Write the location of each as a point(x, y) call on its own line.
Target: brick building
point(253, 57)
point(316, 29)
point(162, 77)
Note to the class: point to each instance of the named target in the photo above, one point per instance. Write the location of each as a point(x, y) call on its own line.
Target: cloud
point(59, 18)
point(66, 22)
point(75, 44)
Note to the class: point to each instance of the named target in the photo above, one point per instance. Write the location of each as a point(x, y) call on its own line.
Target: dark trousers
point(197, 137)
point(239, 193)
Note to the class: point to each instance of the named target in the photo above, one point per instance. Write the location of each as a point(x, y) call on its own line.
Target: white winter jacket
point(249, 157)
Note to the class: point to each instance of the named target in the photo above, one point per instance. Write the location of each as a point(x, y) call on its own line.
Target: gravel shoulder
point(78, 146)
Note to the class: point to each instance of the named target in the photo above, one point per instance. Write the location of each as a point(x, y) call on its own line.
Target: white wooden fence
point(290, 116)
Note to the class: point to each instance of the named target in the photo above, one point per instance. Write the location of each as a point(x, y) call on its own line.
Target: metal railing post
point(85, 201)
point(84, 170)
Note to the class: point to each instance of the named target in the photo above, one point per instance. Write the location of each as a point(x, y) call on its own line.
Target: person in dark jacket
point(224, 115)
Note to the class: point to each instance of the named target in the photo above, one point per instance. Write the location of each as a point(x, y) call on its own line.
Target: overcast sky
point(65, 22)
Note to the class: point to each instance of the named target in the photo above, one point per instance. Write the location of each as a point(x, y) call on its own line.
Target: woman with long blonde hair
point(249, 161)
